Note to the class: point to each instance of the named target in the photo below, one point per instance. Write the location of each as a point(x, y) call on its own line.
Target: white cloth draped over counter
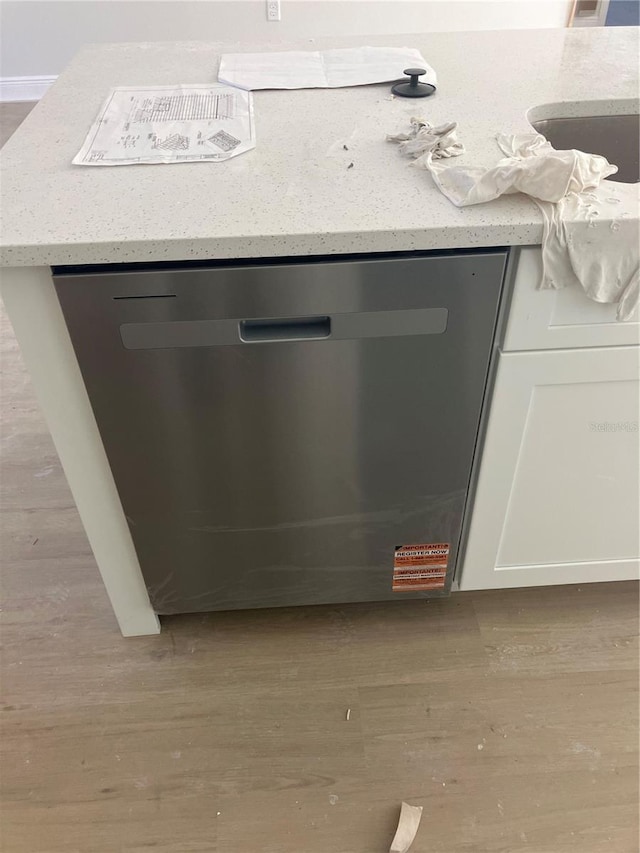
point(587, 240)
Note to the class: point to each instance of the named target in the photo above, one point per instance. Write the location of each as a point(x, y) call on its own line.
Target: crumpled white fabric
point(602, 257)
point(532, 167)
point(423, 138)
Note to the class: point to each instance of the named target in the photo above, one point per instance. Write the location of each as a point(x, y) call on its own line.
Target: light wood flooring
point(510, 716)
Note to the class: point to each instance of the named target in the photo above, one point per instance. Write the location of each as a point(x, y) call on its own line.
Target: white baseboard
point(24, 88)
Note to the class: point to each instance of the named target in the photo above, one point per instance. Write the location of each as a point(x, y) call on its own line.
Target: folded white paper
point(328, 69)
point(407, 828)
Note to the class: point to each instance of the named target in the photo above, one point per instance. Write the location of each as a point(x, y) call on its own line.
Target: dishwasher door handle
point(285, 329)
point(337, 327)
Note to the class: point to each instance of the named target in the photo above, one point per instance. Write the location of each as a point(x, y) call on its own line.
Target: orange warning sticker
point(420, 567)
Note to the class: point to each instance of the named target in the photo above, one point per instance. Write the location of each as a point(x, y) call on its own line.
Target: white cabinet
point(557, 498)
point(557, 495)
point(560, 319)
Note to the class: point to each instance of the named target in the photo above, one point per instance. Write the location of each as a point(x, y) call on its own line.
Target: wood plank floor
point(11, 117)
point(510, 716)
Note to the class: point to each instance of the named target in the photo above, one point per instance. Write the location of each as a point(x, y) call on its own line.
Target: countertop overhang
point(296, 194)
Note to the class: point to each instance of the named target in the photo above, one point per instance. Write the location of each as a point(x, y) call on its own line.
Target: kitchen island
point(322, 181)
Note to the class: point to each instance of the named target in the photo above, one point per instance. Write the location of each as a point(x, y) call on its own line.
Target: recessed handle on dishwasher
point(285, 329)
point(346, 326)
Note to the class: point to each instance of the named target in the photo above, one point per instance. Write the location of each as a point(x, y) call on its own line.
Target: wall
point(39, 37)
point(623, 13)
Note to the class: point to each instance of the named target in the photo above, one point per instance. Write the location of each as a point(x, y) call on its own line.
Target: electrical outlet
point(273, 10)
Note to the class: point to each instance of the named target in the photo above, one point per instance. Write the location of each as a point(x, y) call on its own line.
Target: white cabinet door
point(557, 499)
point(557, 319)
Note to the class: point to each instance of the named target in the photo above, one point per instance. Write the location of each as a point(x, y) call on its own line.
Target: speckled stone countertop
point(294, 194)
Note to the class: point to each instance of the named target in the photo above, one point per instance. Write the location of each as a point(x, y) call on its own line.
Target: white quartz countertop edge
point(69, 228)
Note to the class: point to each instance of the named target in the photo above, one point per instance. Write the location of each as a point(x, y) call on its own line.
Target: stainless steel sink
point(615, 137)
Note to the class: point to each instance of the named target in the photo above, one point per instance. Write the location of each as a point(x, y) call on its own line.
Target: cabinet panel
point(556, 319)
point(557, 493)
point(575, 492)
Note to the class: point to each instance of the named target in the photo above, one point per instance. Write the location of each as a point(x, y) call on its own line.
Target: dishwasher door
point(294, 432)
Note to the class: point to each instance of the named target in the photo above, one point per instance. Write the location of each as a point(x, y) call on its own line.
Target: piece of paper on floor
point(407, 828)
point(170, 124)
point(328, 69)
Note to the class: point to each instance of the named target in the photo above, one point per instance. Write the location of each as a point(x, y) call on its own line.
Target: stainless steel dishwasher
point(289, 432)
